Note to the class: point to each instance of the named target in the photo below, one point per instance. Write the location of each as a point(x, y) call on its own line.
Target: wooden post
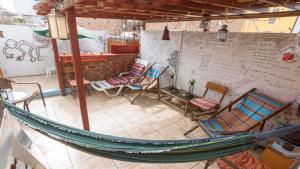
point(59, 74)
point(71, 21)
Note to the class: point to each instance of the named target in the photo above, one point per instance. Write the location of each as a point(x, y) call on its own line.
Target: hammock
point(138, 150)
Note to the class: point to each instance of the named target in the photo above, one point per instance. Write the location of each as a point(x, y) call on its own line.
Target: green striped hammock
point(145, 151)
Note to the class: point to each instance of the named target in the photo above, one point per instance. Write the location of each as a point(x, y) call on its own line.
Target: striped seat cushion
point(249, 112)
point(118, 81)
point(241, 160)
point(136, 70)
point(204, 103)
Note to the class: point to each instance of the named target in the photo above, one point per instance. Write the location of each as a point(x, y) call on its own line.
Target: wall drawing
point(19, 49)
point(173, 60)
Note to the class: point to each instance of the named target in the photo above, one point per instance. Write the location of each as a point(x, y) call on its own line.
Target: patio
point(149, 119)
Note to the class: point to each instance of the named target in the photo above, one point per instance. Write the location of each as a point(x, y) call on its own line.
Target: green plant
point(192, 82)
point(172, 75)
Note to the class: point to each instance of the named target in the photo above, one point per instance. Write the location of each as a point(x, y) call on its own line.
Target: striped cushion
point(136, 70)
point(250, 111)
point(118, 81)
point(155, 71)
point(241, 160)
point(204, 103)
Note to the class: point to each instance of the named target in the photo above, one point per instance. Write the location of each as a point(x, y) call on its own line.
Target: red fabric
point(118, 81)
point(136, 70)
point(243, 160)
point(204, 103)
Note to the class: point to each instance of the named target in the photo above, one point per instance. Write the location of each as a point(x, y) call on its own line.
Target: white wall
point(244, 61)
point(23, 55)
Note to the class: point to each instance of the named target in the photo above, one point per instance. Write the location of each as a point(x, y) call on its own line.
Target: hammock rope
point(139, 150)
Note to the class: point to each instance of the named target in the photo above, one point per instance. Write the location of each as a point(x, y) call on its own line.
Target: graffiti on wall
point(18, 50)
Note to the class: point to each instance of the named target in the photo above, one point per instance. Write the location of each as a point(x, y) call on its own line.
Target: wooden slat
point(244, 16)
point(284, 3)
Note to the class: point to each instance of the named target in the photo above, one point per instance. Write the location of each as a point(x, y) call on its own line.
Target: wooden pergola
point(153, 11)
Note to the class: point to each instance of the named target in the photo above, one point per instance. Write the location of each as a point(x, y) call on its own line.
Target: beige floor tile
point(46, 144)
point(172, 132)
point(146, 166)
point(96, 163)
point(138, 129)
point(58, 159)
point(178, 165)
point(77, 156)
point(125, 165)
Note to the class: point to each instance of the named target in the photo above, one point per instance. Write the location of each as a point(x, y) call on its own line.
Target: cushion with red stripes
point(136, 70)
point(204, 103)
point(118, 81)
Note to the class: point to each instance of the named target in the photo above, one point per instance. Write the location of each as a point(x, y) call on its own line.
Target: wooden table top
point(179, 93)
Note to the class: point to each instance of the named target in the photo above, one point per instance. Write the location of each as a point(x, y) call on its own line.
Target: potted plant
point(171, 80)
point(191, 86)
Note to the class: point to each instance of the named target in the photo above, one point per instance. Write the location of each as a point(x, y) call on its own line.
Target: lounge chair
point(205, 104)
point(122, 80)
point(252, 110)
point(148, 80)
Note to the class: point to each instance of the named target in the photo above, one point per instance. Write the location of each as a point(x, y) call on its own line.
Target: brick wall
point(112, 67)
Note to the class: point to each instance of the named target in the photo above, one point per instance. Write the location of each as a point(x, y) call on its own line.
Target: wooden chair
point(71, 81)
point(205, 104)
point(148, 80)
point(251, 110)
point(7, 84)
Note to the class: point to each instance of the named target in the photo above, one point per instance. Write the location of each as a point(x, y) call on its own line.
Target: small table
point(183, 96)
point(14, 97)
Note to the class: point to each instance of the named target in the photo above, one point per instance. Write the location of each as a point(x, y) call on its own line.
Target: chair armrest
point(123, 73)
point(39, 88)
point(198, 115)
point(230, 132)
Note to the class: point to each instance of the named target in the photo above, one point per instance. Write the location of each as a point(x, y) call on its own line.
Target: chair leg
point(190, 130)
point(73, 92)
point(132, 102)
point(208, 163)
point(88, 90)
point(158, 90)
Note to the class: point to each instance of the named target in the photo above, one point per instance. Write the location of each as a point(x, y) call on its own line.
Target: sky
point(18, 6)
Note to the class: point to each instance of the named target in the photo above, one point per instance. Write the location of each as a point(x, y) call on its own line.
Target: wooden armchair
point(71, 81)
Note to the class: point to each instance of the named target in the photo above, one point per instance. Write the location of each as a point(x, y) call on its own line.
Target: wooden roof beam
point(285, 3)
point(233, 4)
point(178, 5)
point(242, 16)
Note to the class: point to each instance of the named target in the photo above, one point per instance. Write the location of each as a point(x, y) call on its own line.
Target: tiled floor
point(148, 119)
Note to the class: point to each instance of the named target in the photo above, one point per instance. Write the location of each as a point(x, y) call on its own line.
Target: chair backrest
point(5, 83)
point(70, 71)
point(216, 88)
point(142, 62)
point(138, 68)
point(254, 108)
point(155, 71)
